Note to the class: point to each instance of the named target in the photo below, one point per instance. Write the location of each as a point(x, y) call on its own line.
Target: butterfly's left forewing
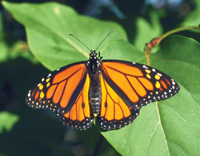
point(59, 90)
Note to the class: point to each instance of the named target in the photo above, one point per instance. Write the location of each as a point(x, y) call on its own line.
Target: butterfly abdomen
point(95, 93)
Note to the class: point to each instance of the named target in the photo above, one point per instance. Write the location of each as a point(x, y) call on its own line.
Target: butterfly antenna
point(103, 40)
point(80, 41)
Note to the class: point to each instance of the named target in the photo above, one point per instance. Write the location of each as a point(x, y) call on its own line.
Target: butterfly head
point(95, 56)
point(94, 61)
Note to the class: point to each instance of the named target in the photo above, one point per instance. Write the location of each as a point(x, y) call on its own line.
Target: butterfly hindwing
point(138, 84)
point(80, 116)
point(59, 90)
point(114, 113)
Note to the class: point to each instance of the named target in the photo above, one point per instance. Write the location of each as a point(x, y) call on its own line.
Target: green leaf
point(3, 46)
point(7, 121)
point(146, 31)
point(48, 26)
point(122, 50)
point(171, 126)
point(4, 51)
point(193, 19)
point(20, 49)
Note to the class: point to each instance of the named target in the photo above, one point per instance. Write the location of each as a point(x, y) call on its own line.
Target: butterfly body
point(111, 90)
point(93, 69)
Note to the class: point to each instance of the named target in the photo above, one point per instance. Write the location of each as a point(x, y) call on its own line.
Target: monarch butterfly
point(111, 90)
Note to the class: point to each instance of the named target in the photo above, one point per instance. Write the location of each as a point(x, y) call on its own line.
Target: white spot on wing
point(29, 94)
point(159, 74)
point(49, 75)
point(145, 66)
point(154, 70)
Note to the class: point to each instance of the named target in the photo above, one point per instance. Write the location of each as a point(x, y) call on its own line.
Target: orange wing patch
point(114, 113)
point(80, 116)
point(138, 83)
point(59, 89)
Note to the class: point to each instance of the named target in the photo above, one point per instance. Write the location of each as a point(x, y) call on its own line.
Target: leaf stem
point(155, 41)
point(175, 31)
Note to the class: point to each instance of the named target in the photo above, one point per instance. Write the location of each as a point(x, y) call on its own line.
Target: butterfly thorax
point(94, 62)
point(95, 87)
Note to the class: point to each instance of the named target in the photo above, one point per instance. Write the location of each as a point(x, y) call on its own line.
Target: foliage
point(166, 127)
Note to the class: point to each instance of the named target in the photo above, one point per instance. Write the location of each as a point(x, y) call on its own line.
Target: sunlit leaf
point(48, 26)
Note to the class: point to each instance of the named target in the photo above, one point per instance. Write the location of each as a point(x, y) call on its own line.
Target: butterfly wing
point(59, 90)
point(138, 84)
point(128, 86)
point(80, 116)
point(65, 91)
point(114, 113)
